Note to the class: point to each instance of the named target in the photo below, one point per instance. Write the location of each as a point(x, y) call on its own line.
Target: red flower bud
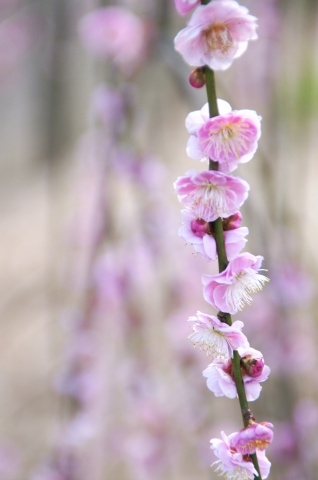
point(252, 366)
point(197, 78)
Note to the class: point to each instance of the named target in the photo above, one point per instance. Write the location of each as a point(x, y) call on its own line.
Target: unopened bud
point(197, 78)
point(200, 227)
point(253, 366)
point(232, 222)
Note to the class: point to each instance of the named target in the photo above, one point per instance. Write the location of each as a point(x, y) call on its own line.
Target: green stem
point(217, 230)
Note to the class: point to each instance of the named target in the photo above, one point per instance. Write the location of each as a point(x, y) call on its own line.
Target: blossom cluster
point(216, 34)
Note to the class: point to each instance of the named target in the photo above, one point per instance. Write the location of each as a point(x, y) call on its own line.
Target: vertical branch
point(217, 229)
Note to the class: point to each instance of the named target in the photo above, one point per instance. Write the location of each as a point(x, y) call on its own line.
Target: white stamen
point(238, 294)
point(239, 473)
point(211, 341)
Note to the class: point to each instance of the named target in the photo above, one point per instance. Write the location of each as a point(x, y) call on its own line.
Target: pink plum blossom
point(229, 291)
point(216, 34)
point(256, 436)
point(232, 465)
point(220, 378)
point(217, 338)
point(108, 107)
point(230, 139)
point(194, 121)
point(198, 232)
point(115, 34)
point(211, 194)
point(186, 6)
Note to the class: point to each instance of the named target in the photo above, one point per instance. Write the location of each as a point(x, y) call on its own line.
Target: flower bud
point(232, 222)
point(200, 227)
point(252, 366)
point(197, 78)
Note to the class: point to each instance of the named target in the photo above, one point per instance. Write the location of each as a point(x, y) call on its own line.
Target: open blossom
point(216, 34)
point(211, 194)
point(217, 338)
point(220, 378)
point(229, 138)
point(229, 291)
point(256, 436)
point(115, 34)
point(232, 465)
point(197, 231)
point(194, 121)
point(186, 6)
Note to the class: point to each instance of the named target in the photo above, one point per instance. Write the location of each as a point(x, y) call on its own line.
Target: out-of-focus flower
point(217, 338)
point(232, 465)
point(18, 37)
point(230, 290)
point(216, 34)
point(211, 194)
point(108, 106)
point(256, 436)
point(9, 462)
point(185, 6)
point(293, 285)
point(220, 378)
point(115, 34)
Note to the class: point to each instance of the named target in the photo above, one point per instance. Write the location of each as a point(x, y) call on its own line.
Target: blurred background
point(98, 380)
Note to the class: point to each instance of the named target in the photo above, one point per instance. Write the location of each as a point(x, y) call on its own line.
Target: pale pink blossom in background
point(256, 436)
point(221, 382)
point(185, 6)
point(10, 462)
point(211, 194)
point(294, 286)
point(216, 338)
point(108, 106)
point(229, 291)
point(115, 34)
point(198, 233)
point(216, 34)
point(19, 35)
point(232, 465)
point(230, 139)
